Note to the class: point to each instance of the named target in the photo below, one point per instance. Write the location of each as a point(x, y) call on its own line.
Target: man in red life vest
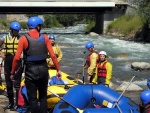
point(104, 69)
point(91, 61)
point(144, 106)
point(35, 46)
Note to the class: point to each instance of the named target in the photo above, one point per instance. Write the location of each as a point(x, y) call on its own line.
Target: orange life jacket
point(102, 70)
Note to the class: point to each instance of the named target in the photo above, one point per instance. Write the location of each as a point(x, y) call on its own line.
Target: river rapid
point(72, 41)
point(73, 48)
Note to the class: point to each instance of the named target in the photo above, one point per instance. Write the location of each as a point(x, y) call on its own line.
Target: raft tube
point(80, 96)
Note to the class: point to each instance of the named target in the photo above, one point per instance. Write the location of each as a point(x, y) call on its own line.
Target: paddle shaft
point(83, 65)
point(62, 99)
point(1, 65)
point(124, 91)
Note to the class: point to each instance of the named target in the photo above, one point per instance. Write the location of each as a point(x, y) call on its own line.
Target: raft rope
point(93, 99)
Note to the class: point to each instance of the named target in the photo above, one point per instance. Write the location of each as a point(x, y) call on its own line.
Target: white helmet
point(102, 53)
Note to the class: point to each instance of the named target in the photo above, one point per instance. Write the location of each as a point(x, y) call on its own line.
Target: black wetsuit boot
point(16, 101)
point(9, 106)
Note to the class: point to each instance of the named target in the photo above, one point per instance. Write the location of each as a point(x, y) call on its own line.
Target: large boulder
point(64, 44)
point(132, 87)
point(93, 34)
point(113, 85)
point(138, 66)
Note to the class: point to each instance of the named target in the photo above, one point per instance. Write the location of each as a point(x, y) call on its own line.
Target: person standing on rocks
point(10, 44)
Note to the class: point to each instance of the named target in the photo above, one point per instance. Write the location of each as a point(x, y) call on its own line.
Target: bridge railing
point(55, 1)
point(66, 0)
point(133, 2)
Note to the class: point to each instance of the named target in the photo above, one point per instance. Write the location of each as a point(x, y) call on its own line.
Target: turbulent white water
point(73, 55)
point(73, 46)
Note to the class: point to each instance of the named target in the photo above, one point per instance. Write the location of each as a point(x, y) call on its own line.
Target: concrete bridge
point(102, 8)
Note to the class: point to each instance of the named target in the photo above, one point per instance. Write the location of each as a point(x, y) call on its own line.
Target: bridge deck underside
point(41, 10)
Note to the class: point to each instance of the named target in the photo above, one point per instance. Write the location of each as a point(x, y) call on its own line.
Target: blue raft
point(84, 97)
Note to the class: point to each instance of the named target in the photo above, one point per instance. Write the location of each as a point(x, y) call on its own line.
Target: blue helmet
point(145, 97)
point(51, 36)
point(15, 26)
point(89, 45)
point(33, 22)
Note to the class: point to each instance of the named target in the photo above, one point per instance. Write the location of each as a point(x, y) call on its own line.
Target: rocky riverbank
point(3, 103)
point(140, 36)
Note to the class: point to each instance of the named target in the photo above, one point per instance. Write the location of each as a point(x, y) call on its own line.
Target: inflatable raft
point(60, 89)
point(94, 99)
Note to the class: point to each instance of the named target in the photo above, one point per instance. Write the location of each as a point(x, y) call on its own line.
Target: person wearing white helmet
point(56, 50)
point(9, 43)
point(91, 61)
point(104, 70)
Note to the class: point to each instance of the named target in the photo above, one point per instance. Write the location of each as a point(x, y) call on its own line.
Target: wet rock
point(3, 103)
point(122, 55)
point(132, 87)
point(64, 44)
point(113, 85)
point(139, 66)
point(93, 34)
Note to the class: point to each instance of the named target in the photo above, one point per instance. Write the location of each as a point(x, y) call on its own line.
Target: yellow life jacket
point(10, 45)
point(55, 49)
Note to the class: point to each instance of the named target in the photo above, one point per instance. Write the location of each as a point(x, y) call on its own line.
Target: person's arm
point(109, 73)
point(1, 44)
point(2, 41)
point(92, 68)
point(93, 62)
point(21, 46)
point(2, 54)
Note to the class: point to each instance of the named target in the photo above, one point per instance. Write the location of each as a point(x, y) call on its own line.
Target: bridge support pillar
point(99, 25)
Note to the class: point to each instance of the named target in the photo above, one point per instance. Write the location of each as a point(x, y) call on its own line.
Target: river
point(72, 41)
point(73, 55)
point(73, 48)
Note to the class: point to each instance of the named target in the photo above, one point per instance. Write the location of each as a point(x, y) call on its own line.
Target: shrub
point(24, 25)
point(90, 26)
point(127, 25)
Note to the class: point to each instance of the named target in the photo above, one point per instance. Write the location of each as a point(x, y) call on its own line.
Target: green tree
point(50, 21)
point(67, 19)
point(30, 15)
point(144, 11)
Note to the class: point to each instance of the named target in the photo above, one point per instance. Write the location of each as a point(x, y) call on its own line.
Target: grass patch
point(127, 25)
point(4, 24)
point(90, 26)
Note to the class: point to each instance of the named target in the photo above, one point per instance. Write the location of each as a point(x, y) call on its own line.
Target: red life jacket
point(88, 60)
point(21, 101)
point(147, 110)
point(102, 70)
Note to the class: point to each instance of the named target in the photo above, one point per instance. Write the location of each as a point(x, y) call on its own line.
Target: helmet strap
point(38, 28)
point(53, 44)
point(12, 33)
